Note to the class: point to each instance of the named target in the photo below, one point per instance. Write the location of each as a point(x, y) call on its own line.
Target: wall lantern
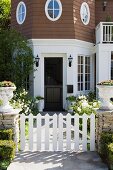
point(104, 5)
point(70, 60)
point(37, 60)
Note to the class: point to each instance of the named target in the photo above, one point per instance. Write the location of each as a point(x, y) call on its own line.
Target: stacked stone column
point(104, 123)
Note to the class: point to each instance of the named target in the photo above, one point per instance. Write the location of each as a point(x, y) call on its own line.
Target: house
point(72, 43)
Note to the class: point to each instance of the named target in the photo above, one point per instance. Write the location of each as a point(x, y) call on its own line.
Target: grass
point(4, 164)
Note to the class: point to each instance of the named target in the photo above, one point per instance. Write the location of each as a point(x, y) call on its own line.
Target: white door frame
point(64, 56)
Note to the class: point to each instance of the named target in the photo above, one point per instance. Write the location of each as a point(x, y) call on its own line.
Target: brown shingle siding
point(37, 25)
point(102, 15)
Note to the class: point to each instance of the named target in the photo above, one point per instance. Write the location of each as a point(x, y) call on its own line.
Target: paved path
point(57, 161)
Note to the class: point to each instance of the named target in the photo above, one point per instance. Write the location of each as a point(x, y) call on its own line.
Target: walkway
point(57, 161)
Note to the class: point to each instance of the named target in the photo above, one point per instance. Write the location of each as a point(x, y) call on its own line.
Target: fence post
point(84, 137)
point(22, 131)
point(39, 130)
point(60, 133)
point(92, 132)
point(55, 133)
point(68, 131)
point(76, 132)
point(47, 132)
point(30, 132)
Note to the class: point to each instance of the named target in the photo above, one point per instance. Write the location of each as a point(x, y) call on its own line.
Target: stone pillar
point(11, 121)
point(104, 123)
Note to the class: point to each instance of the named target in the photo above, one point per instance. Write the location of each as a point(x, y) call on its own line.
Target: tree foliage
point(5, 8)
point(16, 58)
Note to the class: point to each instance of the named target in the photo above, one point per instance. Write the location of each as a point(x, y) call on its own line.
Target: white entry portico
point(62, 49)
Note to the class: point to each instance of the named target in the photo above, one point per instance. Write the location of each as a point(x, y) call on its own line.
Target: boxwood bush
point(106, 148)
point(7, 149)
point(6, 134)
point(110, 155)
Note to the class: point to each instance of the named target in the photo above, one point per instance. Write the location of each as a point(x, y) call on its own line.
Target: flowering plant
point(25, 102)
point(107, 82)
point(7, 84)
point(82, 105)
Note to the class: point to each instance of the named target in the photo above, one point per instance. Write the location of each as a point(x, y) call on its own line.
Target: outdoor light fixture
point(70, 60)
point(37, 60)
point(104, 5)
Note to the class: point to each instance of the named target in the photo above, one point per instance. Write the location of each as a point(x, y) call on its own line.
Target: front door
point(53, 83)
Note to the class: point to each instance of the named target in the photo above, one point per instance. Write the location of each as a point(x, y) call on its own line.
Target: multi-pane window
point(53, 9)
point(83, 73)
point(21, 12)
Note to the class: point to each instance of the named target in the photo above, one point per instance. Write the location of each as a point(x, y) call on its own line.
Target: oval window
point(53, 9)
point(21, 12)
point(85, 13)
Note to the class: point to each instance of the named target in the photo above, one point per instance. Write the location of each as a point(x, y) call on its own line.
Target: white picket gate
point(58, 132)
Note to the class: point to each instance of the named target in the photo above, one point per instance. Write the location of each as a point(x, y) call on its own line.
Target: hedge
point(7, 149)
point(106, 148)
point(6, 134)
point(110, 155)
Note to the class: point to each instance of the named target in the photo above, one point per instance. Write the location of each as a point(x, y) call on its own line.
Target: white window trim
point(46, 10)
point(17, 10)
point(111, 67)
point(87, 6)
point(84, 91)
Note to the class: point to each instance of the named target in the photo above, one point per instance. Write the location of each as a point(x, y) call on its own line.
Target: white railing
point(104, 32)
point(58, 132)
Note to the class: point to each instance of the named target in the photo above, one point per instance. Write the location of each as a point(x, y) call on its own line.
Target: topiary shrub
point(7, 149)
point(6, 134)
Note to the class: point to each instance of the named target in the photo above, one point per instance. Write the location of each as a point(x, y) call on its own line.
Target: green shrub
point(7, 149)
point(39, 98)
point(106, 148)
point(106, 139)
point(91, 96)
point(110, 155)
point(110, 152)
point(71, 98)
point(4, 164)
point(6, 134)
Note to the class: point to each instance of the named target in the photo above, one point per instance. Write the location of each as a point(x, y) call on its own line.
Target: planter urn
point(6, 94)
point(41, 105)
point(105, 94)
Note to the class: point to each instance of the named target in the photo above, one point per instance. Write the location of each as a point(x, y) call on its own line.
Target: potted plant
point(70, 102)
point(6, 94)
point(105, 94)
point(40, 102)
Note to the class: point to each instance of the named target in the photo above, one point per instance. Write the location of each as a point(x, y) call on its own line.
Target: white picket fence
point(58, 132)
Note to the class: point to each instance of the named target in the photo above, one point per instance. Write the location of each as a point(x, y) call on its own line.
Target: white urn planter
point(40, 105)
point(105, 93)
point(6, 94)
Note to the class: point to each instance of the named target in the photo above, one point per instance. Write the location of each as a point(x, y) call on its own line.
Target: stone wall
point(104, 123)
point(10, 121)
